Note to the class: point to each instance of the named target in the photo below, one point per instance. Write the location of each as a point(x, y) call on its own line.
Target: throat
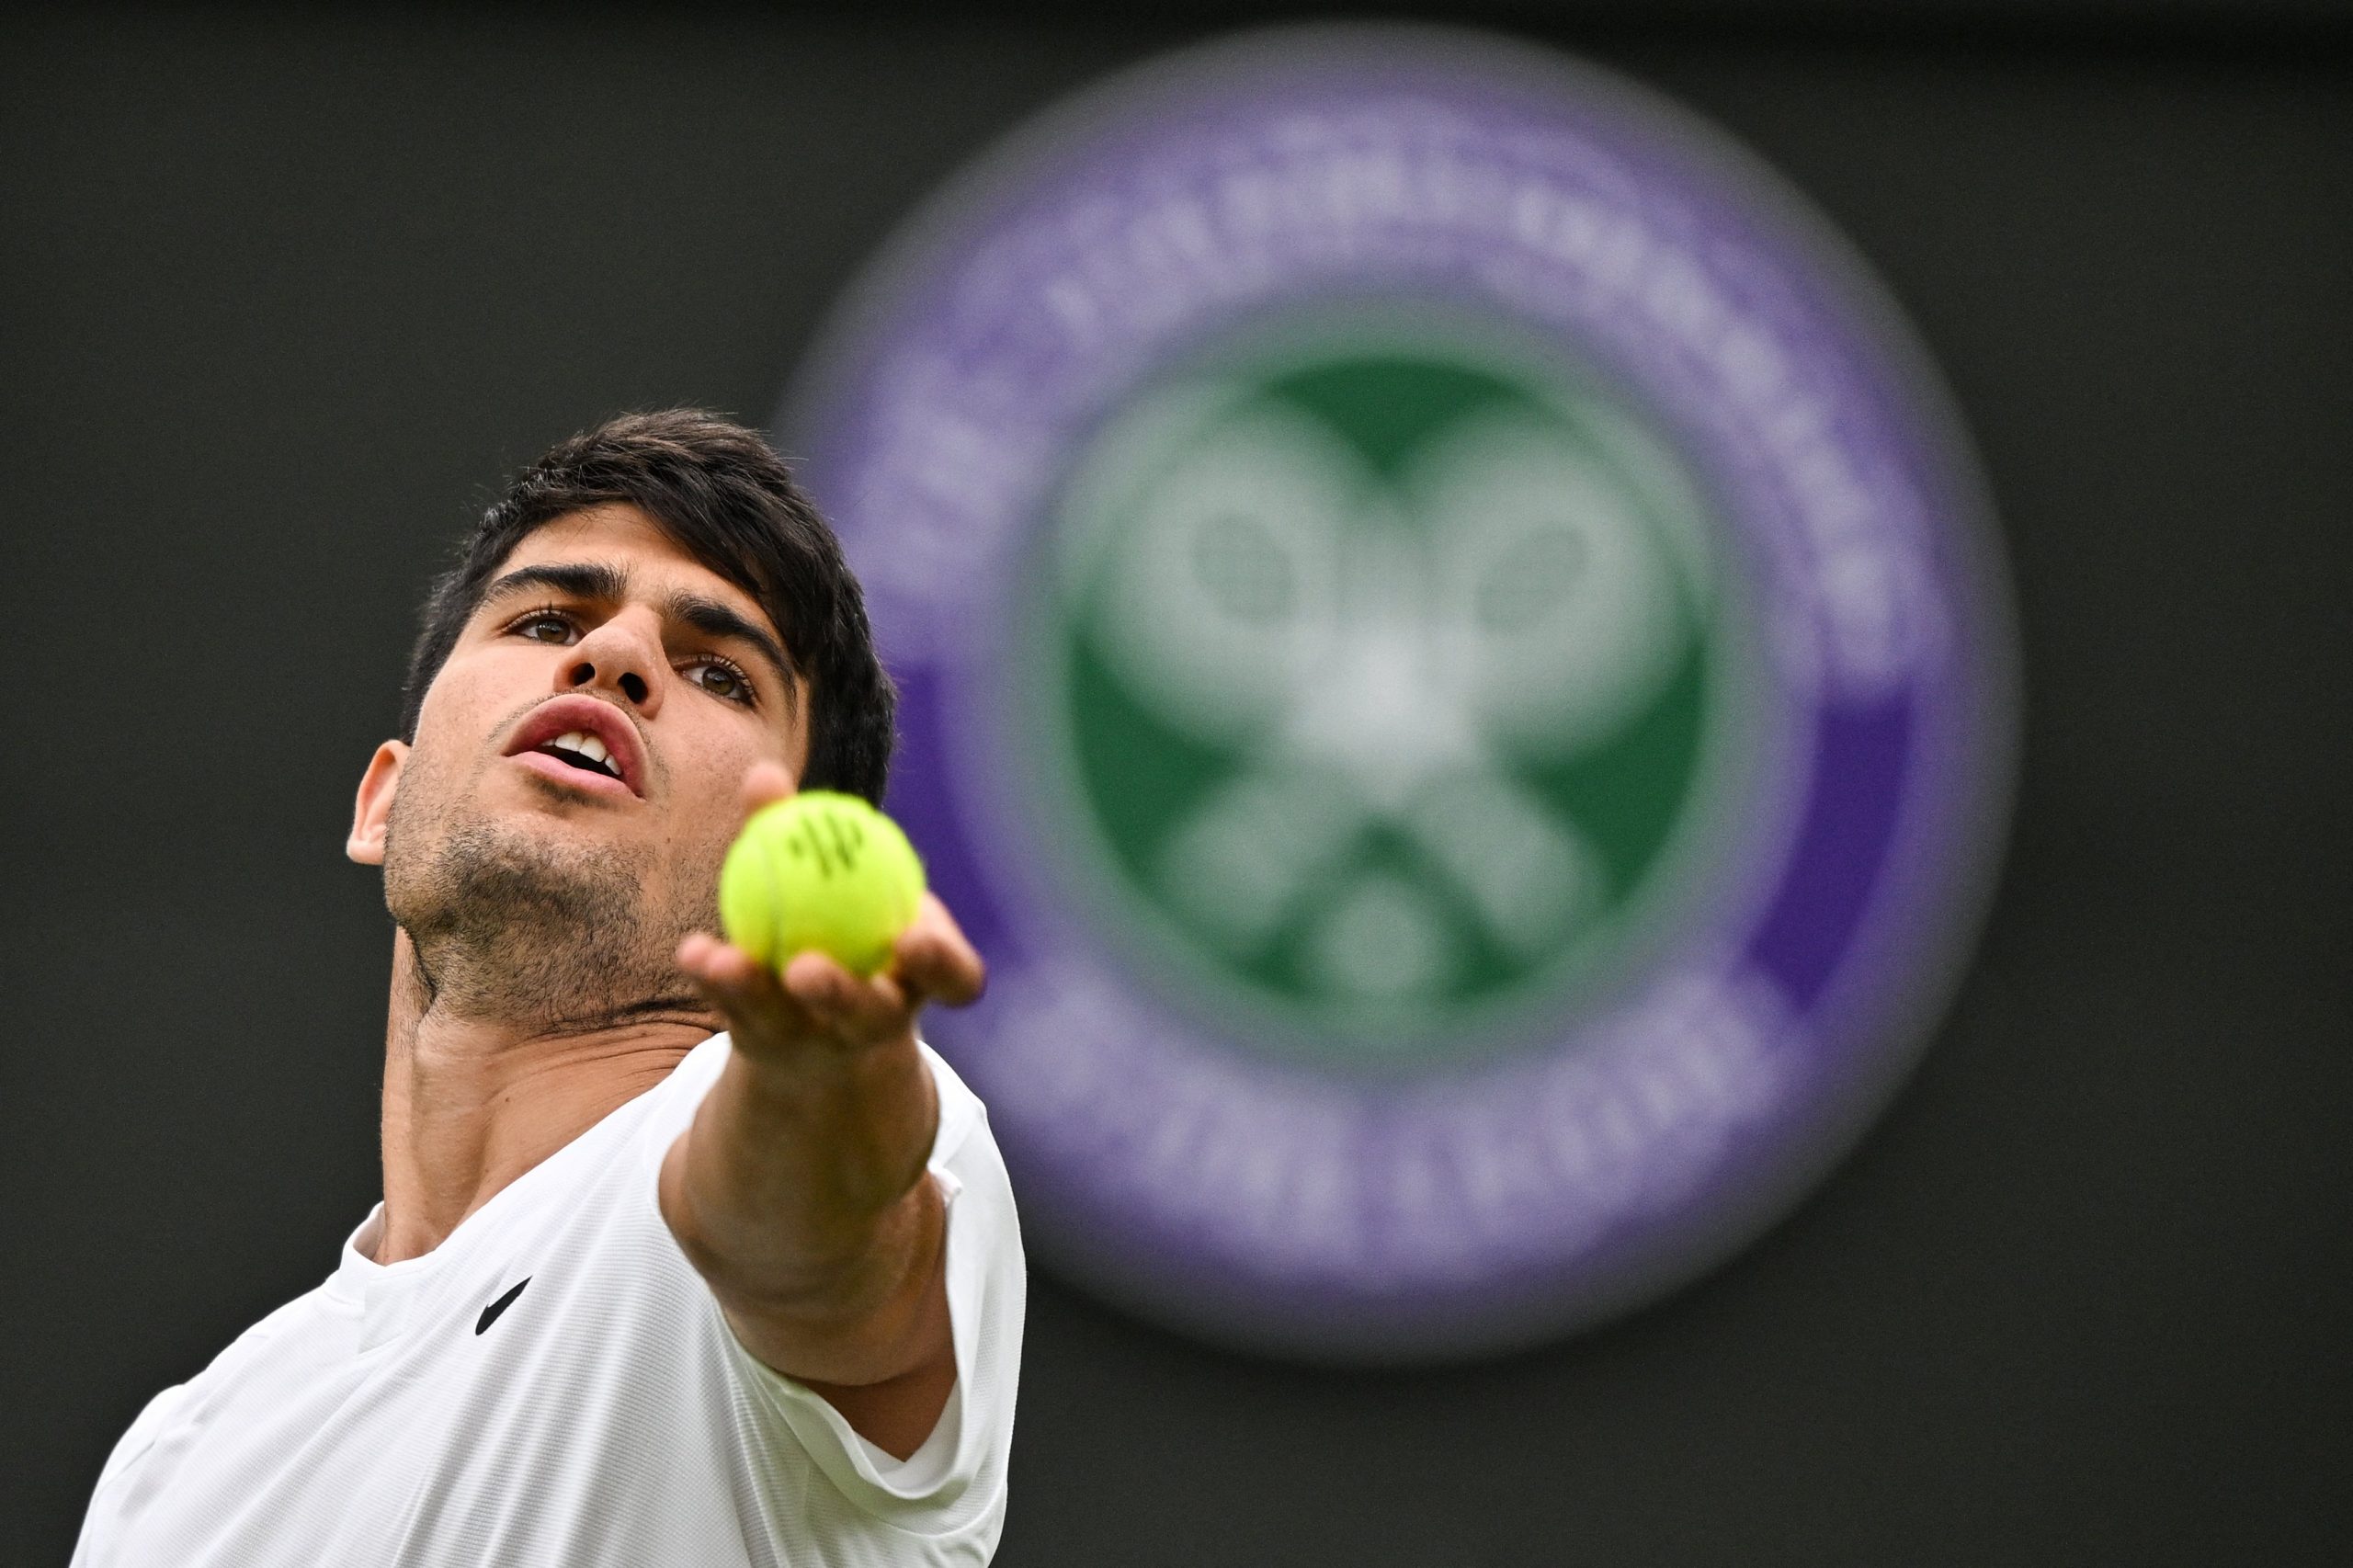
point(469, 1110)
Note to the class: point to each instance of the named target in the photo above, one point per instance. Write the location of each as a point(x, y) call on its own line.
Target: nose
point(621, 657)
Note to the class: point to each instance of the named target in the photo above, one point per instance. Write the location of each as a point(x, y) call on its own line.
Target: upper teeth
point(586, 744)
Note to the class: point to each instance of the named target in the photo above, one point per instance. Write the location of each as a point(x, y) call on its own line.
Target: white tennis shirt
point(554, 1384)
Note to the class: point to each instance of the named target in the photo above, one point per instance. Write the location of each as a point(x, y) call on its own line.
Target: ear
point(373, 809)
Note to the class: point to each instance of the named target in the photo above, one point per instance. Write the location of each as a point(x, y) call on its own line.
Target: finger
point(844, 1004)
point(697, 950)
point(763, 783)
point(933, 959)
point(719, 964)
point(742, 988)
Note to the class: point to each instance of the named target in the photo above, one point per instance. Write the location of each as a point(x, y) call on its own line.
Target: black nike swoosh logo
point(490, 1313)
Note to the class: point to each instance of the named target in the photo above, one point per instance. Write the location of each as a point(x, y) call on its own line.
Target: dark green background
point(281, 298)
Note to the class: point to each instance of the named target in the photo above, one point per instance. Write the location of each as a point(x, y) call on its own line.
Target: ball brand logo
point(1447, 661)
point(831, 845)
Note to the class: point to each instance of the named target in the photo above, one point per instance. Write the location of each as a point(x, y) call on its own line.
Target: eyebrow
point(582, 580)
point(600, 581)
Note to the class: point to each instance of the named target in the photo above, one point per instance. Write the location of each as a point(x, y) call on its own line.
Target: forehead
point(619, 534)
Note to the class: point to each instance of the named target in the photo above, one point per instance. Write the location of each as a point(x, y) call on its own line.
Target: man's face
point(559, 821)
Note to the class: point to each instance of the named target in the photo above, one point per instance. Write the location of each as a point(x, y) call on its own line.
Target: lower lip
point(579, 778)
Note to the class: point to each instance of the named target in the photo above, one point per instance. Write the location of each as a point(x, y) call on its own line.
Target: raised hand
point(815, 1004)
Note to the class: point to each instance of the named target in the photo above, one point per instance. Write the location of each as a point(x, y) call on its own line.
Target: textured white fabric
point(606, 1417)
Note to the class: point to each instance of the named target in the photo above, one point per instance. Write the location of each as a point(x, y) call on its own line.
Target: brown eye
point(545, 629)
point(721, 680)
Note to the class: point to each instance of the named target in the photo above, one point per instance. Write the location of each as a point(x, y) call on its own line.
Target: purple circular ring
point(1467, 1210)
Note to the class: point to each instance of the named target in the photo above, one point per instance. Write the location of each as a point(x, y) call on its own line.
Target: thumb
point(764, 784)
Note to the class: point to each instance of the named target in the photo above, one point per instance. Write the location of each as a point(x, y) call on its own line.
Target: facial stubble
point(528, 927)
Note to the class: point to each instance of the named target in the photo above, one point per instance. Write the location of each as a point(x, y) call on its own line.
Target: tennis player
point(679, 1261)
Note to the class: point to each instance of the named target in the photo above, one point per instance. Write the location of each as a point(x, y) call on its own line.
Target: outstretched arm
point(799, 1192)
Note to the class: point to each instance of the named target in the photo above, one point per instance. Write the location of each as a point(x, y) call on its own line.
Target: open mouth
point(578, 748)
point(582, 734)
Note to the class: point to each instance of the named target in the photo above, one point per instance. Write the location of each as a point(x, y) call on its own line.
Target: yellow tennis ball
point(820, 871)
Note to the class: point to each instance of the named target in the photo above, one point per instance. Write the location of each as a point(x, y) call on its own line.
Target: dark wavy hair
point(722, 495)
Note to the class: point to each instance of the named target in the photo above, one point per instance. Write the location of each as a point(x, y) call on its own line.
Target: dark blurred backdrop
point(282, 296)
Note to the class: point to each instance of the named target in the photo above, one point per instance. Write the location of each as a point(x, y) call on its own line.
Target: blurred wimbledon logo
point(1448, 656)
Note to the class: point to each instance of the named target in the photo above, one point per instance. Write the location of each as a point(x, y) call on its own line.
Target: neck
point(471, 1103)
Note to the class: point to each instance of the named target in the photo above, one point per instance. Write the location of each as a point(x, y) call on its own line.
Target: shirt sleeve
point(956, 1480)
